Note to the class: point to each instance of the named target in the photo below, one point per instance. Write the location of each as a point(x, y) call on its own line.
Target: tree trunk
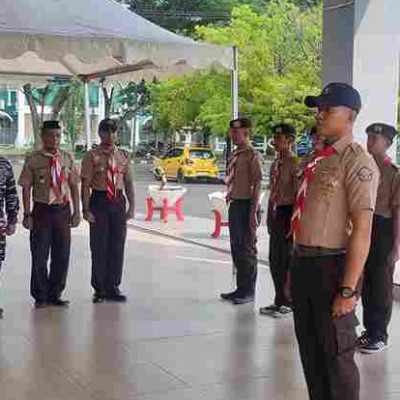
point(36, 119)
point(60, 100)
point(108, 99)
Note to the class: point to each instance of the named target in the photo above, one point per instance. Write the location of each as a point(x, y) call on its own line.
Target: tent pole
point(235, 84)
point(234, 98)
point(88, 129)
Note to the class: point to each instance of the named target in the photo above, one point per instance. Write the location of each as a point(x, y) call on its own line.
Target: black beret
point(284, 129)
point(382, 129)
point(336, 94)
point(51, 125)
point(240, 123)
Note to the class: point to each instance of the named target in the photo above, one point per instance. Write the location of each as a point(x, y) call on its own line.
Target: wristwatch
point(347, 292)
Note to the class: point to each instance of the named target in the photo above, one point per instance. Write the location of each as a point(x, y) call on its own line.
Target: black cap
point(382, 129)
point(284, 129)
point(51, 125)
point(108, 126)
point(336, 94)
point(240, 123)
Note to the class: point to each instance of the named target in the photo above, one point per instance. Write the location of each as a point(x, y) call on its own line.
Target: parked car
point(144, 150)
point(304, 146)
point(189, 162)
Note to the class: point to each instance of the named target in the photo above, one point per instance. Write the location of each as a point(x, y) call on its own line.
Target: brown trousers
point(327, 347)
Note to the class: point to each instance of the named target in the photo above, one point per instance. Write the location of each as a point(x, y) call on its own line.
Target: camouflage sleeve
point(12, 201)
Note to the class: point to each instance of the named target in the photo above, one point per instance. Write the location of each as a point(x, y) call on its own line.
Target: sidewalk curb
point(188, 241)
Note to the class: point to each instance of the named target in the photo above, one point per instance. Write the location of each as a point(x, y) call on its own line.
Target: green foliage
point(280, 63)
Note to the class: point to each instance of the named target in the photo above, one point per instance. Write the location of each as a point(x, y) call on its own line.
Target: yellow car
point(189, 162)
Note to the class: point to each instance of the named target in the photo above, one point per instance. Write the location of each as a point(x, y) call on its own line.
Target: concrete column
point(20, 140)
point(361, 46)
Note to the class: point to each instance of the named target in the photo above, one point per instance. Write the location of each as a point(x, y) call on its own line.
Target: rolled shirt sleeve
point(256, 168)
point(26, 177)
point(362, 182)
point(87, 168)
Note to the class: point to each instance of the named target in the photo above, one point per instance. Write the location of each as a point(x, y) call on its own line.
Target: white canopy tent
point(93, 39)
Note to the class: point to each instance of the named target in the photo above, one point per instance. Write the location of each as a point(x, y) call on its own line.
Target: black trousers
point(377, 291)
point(51, 235)
point(327, 346)
point(280, 252)
point(243, 246)
point(107, 242)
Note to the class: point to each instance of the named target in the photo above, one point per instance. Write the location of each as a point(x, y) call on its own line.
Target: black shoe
point(98, 298)
point(229, 296)
point(40, 304)
point(248, 298)
point(116, 297)
point(59, 303)
point(1, 312)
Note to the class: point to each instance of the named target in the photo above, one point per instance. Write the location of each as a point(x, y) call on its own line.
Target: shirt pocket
point(345, 333)
point(41, 176)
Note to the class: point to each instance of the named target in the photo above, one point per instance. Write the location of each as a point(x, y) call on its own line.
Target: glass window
point(201, 154)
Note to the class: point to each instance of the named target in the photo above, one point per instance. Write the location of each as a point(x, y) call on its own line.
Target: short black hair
point(108, 126)
point(53, 124)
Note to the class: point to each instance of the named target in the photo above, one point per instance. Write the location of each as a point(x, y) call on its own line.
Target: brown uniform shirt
point(389, 190)
point(95, 165)
point(284, 181)
point(36, 174)
point(344, 183)
point(248, 173)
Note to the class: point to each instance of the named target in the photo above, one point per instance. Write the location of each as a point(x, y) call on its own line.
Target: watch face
point(347, 293)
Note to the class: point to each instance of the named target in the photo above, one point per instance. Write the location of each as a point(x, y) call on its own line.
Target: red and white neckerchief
point(308, 176)
point(231, 172)
point(57, 178)
point(112, 176)
point(387, 162)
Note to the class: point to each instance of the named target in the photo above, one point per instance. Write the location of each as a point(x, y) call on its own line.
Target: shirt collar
point(342, 143)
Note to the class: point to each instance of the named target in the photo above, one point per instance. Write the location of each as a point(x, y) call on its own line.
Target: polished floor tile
point(173, 340)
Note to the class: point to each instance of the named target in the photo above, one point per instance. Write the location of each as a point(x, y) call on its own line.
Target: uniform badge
point(329, 181)
point(365, 174)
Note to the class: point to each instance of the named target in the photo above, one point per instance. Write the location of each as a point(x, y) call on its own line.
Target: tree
point(54, 94)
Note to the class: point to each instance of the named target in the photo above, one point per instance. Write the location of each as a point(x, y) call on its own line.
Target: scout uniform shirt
point(344, 183)
point(36, 173)
point(389, 189)
point(95, 165)
point(284, 181)
point(247, 173)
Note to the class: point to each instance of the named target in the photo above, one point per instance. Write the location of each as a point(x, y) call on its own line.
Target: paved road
point(196, 202)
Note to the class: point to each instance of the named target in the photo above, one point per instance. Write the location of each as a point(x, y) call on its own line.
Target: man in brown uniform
point(106, 172)
point(283, 186)
point(377, 292)
point(243, 195)
point(52, 176)
point(338, 185)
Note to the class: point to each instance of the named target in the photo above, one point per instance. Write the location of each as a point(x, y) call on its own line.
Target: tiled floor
point(174, 340)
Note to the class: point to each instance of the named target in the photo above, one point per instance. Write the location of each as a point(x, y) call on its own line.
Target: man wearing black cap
point(244, 177)
point(338, 188)
point(283, 188)
point(377, 292)
point(106, 179)
point(50, 175)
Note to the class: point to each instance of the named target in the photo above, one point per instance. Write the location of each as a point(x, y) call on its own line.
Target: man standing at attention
point(244, 178)
point(9, 207)
point(338, 187)
point(377, 292)
point(52, 176)
point(283, 178)
point(106, 173)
